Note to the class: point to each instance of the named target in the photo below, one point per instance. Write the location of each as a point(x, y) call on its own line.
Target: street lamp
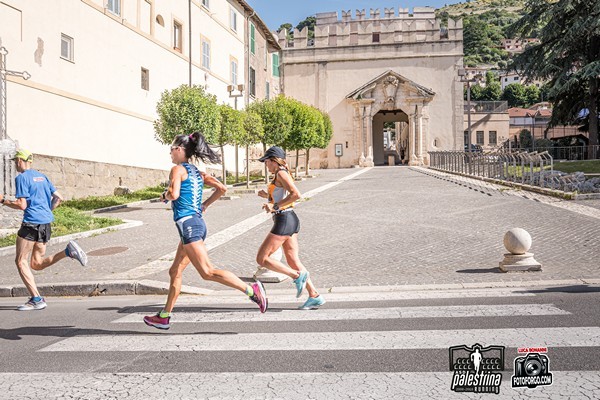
point(236, 91)
point(462, 73)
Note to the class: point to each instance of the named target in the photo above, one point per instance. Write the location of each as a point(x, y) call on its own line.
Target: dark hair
point(195, 146)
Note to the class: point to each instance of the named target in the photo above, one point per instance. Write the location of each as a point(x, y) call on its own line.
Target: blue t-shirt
point(190, 194)
point(37, 189)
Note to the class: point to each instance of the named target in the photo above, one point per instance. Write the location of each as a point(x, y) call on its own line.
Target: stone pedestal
point(519, 262)
point(518, 242)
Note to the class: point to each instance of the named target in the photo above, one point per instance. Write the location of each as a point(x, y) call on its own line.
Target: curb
point(103, 288)
point(5, 251)
point(150, 287)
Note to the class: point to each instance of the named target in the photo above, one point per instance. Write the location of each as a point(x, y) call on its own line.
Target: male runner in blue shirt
point(37, 197)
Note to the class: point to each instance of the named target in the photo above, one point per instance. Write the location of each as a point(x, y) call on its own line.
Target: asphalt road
point(378, 343)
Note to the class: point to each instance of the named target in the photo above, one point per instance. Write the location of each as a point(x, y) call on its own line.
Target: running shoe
point(300, 282)
point(74, 251)
point(33, 305)
point(260, 296)
point(313, 303)
point(158, 322)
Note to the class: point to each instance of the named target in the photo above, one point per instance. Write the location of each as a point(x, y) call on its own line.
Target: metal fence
point(533, 168)
point(7, 167)
point(572, 153)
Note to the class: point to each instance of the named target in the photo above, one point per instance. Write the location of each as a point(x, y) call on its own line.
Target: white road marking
point(289, 386)
point(245, 315)
point(327, 341)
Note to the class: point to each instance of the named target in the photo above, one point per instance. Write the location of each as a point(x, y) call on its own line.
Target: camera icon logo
point(532, 370)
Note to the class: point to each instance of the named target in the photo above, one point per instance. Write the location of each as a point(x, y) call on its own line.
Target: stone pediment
point(390, 81)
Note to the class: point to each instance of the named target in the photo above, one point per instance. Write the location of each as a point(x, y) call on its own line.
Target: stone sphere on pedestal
point(517, 241)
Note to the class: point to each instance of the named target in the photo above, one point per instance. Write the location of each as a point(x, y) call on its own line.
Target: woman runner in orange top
point(281, 195)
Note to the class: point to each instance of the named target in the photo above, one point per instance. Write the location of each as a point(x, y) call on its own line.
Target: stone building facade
point(368, 70)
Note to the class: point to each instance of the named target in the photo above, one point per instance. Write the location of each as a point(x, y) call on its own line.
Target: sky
point(277, 12)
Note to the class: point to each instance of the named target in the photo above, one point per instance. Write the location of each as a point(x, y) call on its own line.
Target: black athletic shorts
point(35, 232)
point(286, 223)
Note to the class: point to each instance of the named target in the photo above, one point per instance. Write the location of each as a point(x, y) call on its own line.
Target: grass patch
point(95, 202)
point(69, 220)
point(587, 167)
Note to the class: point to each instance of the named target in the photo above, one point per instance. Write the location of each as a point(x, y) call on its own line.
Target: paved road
point(386, 226)
point(375, 343)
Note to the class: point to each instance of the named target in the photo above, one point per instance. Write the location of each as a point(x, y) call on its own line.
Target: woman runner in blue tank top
point(186, 183)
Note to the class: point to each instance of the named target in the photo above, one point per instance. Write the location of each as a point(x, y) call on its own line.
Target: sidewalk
point(389, 226)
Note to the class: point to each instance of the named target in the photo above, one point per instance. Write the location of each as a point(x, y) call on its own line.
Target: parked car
point(475, 148)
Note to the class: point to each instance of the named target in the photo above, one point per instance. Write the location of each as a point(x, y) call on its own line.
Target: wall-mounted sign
point(339, 150)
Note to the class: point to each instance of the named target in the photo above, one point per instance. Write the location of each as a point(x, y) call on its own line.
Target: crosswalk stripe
point(239, 298)
point(366, 340)
point(331, 385)
point(244, 315)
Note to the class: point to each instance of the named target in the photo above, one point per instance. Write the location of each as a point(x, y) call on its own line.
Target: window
point(114, 6)
point(480, 137)
point(206, 3)
point(267, 90)
point(275, 64)
point(206, 54)
point(493, 138)
point(252, 83)
point(234, 72)
point(177, 36)
point(66, 47)
point(233, 19)
point(252, 39)
point(375, 37)
point(516, 78)
point(145, 79)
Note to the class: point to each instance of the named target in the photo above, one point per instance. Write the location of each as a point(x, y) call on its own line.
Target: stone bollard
point(518, 242)
point(268, 276)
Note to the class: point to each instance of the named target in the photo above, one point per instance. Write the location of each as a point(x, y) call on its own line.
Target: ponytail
point(196, 147)
point(281, 162)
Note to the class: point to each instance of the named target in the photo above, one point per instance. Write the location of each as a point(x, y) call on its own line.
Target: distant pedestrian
point(37, 197)
point(281, 195)
point(186, 183)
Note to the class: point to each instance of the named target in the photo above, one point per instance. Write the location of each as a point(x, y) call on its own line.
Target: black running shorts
point(35, 232)
point(285, 223)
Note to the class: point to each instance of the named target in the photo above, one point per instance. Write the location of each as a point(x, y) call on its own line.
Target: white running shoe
point(74, 251)
point(32, 305)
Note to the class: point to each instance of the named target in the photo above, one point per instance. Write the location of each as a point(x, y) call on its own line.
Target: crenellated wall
point(391, 28)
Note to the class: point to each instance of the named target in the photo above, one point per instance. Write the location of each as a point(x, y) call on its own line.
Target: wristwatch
point(275, 207)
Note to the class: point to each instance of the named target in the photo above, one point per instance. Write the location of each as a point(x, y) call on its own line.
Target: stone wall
point(78, 178)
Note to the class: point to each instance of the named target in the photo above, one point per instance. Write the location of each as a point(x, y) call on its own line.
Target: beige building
point(489, 123)
point(98, 68)
point(368, 70)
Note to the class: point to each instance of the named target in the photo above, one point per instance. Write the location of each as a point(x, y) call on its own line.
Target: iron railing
point(572, 153)
point(533, 168)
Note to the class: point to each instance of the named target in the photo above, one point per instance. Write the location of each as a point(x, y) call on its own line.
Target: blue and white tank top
point(189, 201)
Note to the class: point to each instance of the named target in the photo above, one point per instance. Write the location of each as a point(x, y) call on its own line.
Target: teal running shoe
point(313, 303)
point(300, 282)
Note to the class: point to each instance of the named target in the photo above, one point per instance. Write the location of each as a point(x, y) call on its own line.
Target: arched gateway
point(390, 97)
point(375, 72)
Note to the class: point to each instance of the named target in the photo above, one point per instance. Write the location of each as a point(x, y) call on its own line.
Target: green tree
point(232, 129)
point(532, 94)
point(307, 123)
point(309, 22)
point(492, 91)
point(568, 56)
point(184, 110)
point(253, 134)
point(514, 94)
